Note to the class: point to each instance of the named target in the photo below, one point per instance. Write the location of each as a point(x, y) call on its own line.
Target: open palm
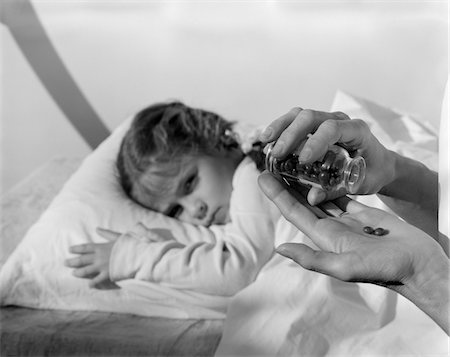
point(346, 251)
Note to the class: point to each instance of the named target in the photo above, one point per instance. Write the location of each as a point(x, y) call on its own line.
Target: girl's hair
point(160, 138)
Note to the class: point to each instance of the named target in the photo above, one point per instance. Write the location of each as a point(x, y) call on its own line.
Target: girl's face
point(201, 191)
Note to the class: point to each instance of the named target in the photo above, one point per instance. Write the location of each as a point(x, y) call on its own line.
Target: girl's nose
point(197, 208)
point(201, 210)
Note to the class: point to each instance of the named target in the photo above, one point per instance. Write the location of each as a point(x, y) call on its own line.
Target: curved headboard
point(27, 30)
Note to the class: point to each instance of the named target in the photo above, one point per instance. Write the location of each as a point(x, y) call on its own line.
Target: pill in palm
point(368, 230)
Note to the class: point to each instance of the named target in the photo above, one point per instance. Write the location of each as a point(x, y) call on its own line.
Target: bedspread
point(28, 332)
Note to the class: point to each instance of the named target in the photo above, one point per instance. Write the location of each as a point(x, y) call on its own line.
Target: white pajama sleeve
point(219, 268)
point(222, 267)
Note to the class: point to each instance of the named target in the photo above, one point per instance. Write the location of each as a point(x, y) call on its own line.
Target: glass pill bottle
point(335, 170)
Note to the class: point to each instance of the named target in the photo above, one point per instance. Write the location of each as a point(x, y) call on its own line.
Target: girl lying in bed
point(186, 163)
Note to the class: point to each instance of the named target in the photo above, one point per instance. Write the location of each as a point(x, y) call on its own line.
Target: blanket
point(291, 311)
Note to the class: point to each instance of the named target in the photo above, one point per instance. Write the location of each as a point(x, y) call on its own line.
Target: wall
point(249, 61)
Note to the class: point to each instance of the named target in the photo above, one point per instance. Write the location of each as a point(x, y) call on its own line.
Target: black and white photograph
point(224, 178)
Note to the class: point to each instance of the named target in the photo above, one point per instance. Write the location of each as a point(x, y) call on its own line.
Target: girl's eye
point(175, 211)
point(189, 184)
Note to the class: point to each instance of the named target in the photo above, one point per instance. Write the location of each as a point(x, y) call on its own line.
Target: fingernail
point(278, 148)
point(265, 135)
point(305, 155)
point(321, 196)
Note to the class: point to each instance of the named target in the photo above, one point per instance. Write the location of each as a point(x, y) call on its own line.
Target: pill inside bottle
point(335, 170)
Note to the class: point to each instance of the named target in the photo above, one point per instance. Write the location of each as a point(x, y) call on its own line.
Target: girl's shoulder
point(248, 203)
point(246, 173)
point(246, 195)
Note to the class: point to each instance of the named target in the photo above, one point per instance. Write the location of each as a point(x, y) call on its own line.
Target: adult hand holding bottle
point(406, 259)
point(388, 174)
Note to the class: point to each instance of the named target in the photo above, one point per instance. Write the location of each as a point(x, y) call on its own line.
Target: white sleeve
point(222, 267)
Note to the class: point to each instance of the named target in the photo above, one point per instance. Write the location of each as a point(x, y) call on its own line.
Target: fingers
point(90, 247)
point(89, 264)
point(317, 195)
point(335, 265)
point(290, 138)
point(306, 122)
point(82, 248)
point(80, 261)
point(290, 208)
point(102, 282)
point(351, 206)
point(340, 116)
point(351, 133)
point(292, 128)
point(87, 272)
point(108, 234)
point(273, 131)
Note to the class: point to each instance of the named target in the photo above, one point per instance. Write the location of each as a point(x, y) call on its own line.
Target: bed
point(45, 332)
point(285, 311)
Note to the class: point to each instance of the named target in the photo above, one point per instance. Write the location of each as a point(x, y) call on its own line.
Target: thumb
point(297, 252)
point(153, 234)
point(108, 234)
point(323, 262)
point(317, 195)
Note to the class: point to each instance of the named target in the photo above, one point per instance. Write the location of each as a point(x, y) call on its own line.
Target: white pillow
point(35, 275)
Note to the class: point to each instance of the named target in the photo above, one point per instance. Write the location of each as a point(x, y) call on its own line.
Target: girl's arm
point(222, 266)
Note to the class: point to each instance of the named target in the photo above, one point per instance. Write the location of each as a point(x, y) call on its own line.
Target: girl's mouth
point(214, 218)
